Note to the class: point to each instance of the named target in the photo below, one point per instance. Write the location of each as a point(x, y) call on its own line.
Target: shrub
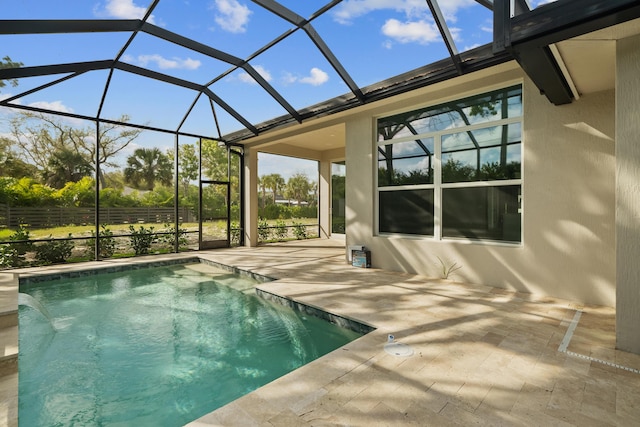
point(107, 243)
point(113, 197)
point(300, 230)
point(271, 211)
point(281, 230)
point(263, 230)
point(9, 256)
point(235, 233)
point(304, 212)
point(170, 239)
point(55, 251)
point(141, 239)
point(21, 234)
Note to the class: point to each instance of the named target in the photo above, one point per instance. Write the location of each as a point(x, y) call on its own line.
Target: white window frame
point(438, 185)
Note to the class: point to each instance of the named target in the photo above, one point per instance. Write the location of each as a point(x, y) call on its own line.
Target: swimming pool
point(156, 346)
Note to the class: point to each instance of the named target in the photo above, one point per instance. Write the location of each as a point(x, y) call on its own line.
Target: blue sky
point(373, 39)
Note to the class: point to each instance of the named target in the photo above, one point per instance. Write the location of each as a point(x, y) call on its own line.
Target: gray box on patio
point(361, 259)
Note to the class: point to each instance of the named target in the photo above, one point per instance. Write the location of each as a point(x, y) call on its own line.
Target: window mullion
point(437, 190)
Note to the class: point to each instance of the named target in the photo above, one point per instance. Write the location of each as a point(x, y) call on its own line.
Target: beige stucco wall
point(568, 247)
point(628, 194)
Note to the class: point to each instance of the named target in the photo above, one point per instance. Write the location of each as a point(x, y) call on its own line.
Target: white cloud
point(61, 108)
point(246, 77)
point(7, 95)
point(231, 15)
point(407, 32)
point(348, 10)
point(288, 78)
point(166, 64)
point(53, 106)
point(316, 78)
point(487, 26)
point(123, 9)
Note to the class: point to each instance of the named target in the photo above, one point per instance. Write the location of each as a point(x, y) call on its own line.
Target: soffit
point(591, 58)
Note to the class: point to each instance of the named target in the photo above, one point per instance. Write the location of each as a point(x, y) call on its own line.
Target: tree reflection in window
point(483, 154)
point(403, 163)
point(485, 108)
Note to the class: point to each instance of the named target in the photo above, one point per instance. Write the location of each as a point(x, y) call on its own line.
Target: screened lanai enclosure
point(128, 121)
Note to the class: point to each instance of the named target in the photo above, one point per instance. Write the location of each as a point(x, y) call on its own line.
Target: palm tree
point(298, 187)
point(262, 184)
point(146, 166)
point(66, 166)
point(274, 182)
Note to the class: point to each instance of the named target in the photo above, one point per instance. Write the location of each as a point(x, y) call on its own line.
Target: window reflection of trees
point(457, 166)
point(411, 163)
point(472, 159)
point(494, 106)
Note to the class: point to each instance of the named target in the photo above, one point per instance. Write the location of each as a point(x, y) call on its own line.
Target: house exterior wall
point(628, 194)
point(568, 239)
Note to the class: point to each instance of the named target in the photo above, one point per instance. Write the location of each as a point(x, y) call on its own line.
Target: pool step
point(8, 343)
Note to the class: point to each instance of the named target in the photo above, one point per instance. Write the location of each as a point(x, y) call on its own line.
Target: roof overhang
point(530, 35)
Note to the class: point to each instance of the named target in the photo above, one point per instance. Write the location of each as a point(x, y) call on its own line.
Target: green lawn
point(209, 228)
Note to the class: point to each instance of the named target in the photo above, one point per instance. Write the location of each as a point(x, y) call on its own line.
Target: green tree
point(146, 166)
point(313, 188)
point(214, 160)
point(38, 136)
point(216, 166)
point(159, 197)
point(11, 164)
point(26, 192)
point(456, 171)
point(66, 166)
point(80, 193)
point(262, 185)
point(113, 197)
point(274, 182)
point(6, 62)
point(298, 187)
point(187, 164)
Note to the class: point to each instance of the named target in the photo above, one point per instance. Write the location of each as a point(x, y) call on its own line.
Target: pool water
point(155, 347)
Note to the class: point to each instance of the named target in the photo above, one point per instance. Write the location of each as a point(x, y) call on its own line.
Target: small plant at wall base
point(141, 239)
point(55, 251)
point(446, 269)
point(300, 230)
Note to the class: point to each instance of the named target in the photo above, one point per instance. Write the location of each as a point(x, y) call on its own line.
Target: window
point(407, 211)
point(453, 170)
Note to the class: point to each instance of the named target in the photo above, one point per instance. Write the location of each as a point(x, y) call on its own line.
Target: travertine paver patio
point(482, 356)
